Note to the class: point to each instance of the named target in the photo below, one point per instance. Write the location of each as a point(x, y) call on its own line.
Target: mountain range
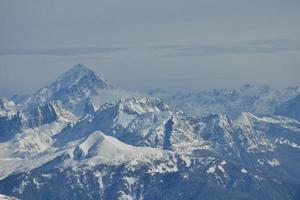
point(81, 137)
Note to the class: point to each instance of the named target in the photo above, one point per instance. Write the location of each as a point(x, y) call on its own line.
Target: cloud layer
point(171, 44)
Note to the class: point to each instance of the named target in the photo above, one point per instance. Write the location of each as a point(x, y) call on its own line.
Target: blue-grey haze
point(172, 44)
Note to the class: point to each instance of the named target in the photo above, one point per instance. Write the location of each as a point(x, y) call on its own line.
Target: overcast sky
point(138, 44)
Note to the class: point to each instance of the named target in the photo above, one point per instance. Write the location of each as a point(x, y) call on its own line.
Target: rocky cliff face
point(10, 119)
point(290, 108)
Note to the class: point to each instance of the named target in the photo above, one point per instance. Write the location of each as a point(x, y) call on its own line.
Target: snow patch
point(274, 162)
point(287, 142)
point(223, 162)
point(221, 169)
point(244, 171)
point(4, 197)
point(211, 169)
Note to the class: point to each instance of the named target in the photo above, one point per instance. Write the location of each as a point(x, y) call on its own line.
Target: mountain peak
point(80, 67)
point(81, 74)
point(73, 88)
point(98, 144)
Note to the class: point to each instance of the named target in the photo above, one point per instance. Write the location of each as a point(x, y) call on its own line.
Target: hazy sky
point(136, 44)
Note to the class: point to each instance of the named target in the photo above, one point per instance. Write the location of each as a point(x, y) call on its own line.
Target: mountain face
point(290, 108)
point(81, 138)
point(47, 113)
point(73, 88)
point(10, 119)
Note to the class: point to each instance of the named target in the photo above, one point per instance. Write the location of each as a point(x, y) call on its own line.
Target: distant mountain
point(259, 100)
point(81, 138)
point(77, 89)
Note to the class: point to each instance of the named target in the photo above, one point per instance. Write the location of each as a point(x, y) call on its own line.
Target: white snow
point(7, 108)
point(130, 180)
point(38, 185)
point(261, 161)
point(287, 142)
point(258, 177)
point(244, 171)
point(274, 162)
point(99, 176)
point(98, 145)
point(4, 197)
point(211, 169)
point(223, 162)
point(221, 169)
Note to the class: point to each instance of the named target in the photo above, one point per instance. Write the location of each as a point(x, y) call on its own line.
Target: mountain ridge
point(81, 138)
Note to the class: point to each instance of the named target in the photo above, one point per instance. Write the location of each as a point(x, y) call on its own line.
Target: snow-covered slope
point(99, 166)
point(98, 148)
point(24, 135)
point(4, 197)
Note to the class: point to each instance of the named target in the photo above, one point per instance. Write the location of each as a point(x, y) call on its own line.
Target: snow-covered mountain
point(139, 121)
point(79, 89)
point(257, 99)
point(81, 138)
